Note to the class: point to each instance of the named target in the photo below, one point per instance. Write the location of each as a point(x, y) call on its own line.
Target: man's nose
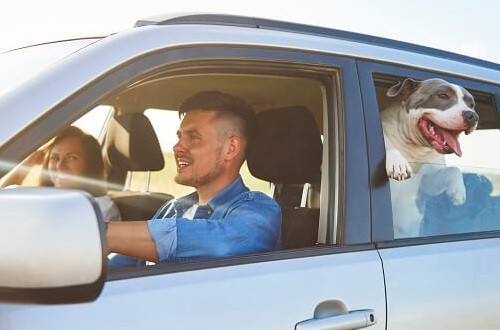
point(179, 146)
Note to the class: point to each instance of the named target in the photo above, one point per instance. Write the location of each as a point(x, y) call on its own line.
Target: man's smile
point(182, 163)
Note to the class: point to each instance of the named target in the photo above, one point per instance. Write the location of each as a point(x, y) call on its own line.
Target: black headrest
point(287, 147)
point(131, 144)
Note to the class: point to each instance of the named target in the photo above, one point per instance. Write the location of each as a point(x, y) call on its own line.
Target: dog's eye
point(443, 96)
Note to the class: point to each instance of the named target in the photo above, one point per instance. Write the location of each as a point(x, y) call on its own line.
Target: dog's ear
point(404, 89)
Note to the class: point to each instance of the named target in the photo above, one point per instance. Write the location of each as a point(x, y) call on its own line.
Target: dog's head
point(440, 110)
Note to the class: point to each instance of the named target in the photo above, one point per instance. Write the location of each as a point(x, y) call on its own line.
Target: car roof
point(269, 24)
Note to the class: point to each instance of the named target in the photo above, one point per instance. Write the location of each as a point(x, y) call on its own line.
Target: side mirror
point(53, 246)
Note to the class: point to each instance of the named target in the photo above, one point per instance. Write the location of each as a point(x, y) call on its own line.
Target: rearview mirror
point(52, 246)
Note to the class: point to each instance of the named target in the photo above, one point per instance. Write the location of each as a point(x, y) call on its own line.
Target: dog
point(419, 128)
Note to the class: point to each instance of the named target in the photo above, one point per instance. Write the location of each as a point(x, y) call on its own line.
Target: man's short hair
point(226, 106)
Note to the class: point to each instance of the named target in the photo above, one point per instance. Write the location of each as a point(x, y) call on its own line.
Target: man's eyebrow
point(187, 131)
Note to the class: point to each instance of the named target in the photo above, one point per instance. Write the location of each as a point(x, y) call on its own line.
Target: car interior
point(284, 161)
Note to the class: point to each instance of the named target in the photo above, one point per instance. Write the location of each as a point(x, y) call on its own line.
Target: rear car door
point(338, 282)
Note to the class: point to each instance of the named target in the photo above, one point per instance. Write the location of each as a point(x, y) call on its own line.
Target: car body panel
point(452, 285)
point(269, 295)
point(22, 63)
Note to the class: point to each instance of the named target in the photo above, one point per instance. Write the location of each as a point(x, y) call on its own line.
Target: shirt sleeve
point(164, 234)
point(251, 225)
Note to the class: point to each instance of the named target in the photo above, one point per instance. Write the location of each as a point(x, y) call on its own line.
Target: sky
point(465, 27)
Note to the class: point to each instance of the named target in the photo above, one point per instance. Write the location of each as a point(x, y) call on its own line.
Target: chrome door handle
point(350, 320)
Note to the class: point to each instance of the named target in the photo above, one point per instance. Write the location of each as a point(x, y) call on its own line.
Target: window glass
point(460, 194)
point(94, 121)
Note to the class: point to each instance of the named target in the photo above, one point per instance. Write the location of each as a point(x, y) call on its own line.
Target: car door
point(337, 283)
point(446, 276)
point(275, 294)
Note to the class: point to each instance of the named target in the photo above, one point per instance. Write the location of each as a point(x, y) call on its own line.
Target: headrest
point(287, 147)
point(131, 144)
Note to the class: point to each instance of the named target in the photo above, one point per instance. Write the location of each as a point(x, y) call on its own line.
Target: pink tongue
point(452, 141)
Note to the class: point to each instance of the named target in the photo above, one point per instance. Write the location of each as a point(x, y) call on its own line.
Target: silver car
point(341, 267)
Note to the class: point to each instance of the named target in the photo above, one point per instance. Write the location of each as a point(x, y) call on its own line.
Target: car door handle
point(350, 320)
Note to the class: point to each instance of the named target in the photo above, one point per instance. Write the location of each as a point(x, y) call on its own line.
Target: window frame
point(381, 207)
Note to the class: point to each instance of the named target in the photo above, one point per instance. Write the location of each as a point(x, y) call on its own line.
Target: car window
point(460, 194)
point(139, 139)
point(95, 121)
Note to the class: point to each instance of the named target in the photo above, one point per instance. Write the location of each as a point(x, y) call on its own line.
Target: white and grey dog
point(422, 126)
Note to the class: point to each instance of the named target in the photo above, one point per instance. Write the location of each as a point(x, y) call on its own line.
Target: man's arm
point(131, 238)
point(252, 226)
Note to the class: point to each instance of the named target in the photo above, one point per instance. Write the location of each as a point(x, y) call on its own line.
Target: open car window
point(459, 195)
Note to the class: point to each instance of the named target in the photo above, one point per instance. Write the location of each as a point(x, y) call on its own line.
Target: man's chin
point(183, 181)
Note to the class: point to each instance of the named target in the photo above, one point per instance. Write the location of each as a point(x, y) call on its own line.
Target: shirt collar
point(234, 189)
point(224, 196)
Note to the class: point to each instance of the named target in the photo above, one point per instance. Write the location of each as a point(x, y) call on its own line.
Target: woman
point(71, 160)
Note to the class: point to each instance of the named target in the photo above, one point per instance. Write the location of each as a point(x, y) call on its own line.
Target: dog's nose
point(470, 118)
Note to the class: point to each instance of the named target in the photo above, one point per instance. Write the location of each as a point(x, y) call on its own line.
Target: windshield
point(20, 64)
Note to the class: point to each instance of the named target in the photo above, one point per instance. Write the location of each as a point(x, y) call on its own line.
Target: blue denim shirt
point(239, 222)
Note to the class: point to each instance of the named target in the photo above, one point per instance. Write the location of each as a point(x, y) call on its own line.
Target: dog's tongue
point(451, 139)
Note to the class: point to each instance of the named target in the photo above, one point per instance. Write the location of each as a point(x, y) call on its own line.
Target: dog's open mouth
point(442, 140)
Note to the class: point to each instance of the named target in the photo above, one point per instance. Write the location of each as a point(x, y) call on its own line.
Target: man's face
point(198, 153)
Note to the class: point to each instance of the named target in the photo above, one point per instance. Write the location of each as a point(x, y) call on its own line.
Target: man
point(222, 218)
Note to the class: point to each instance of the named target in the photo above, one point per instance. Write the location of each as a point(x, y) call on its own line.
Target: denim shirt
point(239, 222)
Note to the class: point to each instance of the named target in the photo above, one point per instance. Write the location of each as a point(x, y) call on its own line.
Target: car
point(319, 92)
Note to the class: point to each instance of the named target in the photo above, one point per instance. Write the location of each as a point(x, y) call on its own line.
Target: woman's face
point(67, 162)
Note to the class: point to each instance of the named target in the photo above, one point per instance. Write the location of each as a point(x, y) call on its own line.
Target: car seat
point(287, 152)
point(131, 144)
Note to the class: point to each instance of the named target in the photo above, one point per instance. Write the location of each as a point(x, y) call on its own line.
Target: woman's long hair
point(93, 178)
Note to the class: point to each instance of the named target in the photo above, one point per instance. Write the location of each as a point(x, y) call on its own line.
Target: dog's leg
point(406, 214)
point(447, 179)
point(396, 166)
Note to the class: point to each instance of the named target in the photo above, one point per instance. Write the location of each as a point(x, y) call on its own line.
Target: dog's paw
point(396, 166)
point(457, 195)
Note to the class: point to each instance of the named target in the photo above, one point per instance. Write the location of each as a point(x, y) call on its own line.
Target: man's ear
point(233, 148)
